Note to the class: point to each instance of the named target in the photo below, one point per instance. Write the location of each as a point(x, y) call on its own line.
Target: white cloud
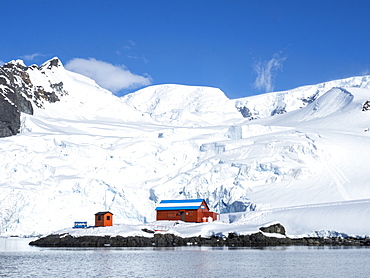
point(111, 77)
point(138, 58)
point(30, 57)
point(266, 71)
point(1, 63)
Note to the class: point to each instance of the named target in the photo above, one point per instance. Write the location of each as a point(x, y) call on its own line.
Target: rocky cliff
point(19, 94)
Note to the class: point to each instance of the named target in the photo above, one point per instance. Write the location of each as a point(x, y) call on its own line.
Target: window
point(108, 217)
point(202, 206)
point(99, 217)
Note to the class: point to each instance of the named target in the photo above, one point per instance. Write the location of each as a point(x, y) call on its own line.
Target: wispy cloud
point(1, 63)
point(31, 57)
point(130, 44)
point(266, 72)
point(365, 72)
point(141, 57)
point(112, 77)
point(130, 51)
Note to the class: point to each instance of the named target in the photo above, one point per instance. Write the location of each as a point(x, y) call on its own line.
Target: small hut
point(103, 219)
point(191, 210)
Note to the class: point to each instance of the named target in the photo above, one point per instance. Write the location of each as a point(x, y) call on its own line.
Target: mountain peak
point(17, 62)
point(54, 62)
point(184, 105)
point(22, 88)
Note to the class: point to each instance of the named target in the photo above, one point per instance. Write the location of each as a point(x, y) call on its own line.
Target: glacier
point(299, 157)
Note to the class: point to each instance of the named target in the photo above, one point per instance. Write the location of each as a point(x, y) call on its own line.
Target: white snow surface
point(305, 166)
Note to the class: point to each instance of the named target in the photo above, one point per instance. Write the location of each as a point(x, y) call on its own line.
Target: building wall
point(187, 216)
point(213, 215)
point(105, 220)
point(184, 215)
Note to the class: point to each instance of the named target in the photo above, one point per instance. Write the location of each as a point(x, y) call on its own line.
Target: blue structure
point(80, 224)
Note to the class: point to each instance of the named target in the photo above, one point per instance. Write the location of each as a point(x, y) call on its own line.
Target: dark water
point(17, 259)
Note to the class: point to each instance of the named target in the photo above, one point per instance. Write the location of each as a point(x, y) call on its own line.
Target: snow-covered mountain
point(299, 157)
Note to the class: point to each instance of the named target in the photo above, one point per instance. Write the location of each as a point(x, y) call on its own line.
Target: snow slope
point(184, 105)
point(299, 157)
point(281, 102)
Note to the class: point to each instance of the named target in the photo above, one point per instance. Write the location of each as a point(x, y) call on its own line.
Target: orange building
point(191, 210)
point(103, 219)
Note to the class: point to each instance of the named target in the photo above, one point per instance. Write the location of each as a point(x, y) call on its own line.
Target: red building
point(191, 210)
point(103, 219)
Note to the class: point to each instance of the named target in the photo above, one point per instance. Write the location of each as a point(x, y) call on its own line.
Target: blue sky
point(242, 47)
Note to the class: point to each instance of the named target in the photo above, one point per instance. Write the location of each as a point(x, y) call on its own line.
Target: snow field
point(306, 168)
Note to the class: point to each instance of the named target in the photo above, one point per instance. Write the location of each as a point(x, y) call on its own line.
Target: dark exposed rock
point(311, 98)
point(50, 97)
point(2, 80)
point(148, 231)
point(58, 87)
point(278, 111)
point(55, 62)
point(18, 94)
point(14, 84)
point(170, 240)
point(366, 106)
point(23, 104)
point(276, 228)
point(246, 113)
point(9, 118)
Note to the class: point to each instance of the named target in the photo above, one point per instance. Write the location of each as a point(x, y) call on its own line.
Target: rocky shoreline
point(259, 239)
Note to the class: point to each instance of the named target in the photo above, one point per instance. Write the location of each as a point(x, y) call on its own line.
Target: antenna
point(105, 199)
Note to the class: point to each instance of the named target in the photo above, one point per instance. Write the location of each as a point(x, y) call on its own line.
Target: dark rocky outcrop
point(9, 118)
point(246, 113)
point(169, 240)
point(276, 228)
point(13, 89)
point(311, 98)
point(278, 111)
point(366, 106)
point(18, 94)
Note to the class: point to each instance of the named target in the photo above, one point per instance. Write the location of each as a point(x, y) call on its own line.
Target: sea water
point(18, 259)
